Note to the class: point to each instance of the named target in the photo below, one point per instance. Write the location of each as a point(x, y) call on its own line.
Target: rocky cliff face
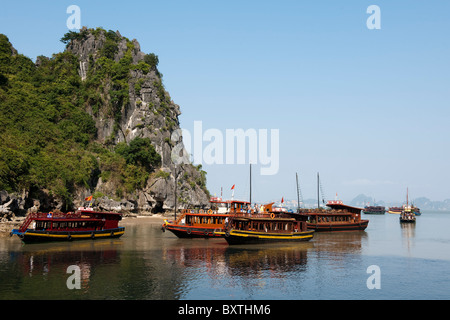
point(148, 112)
point(127, 100)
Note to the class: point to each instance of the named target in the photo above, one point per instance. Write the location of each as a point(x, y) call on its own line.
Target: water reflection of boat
point(85, 223)
point(340, 242)
point(51, 258)
point(248, 260)
point(243, 260)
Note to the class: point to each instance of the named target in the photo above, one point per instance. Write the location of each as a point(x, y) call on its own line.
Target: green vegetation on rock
point(48, 140)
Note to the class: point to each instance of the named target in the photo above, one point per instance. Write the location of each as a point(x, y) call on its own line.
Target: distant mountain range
point(362, 200)
point(422, 202)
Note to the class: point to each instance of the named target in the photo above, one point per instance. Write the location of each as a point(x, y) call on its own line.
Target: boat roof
point(67, 219)
point(90, 210)
point(338, 204)
point(79, 215)
point(268, 218)
point(277, 217)
point(205, 214)
point(219, 200)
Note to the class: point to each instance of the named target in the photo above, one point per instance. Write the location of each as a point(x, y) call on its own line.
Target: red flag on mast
point(232, 187)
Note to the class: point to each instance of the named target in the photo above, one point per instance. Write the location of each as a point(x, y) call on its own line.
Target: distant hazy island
point(363, 200)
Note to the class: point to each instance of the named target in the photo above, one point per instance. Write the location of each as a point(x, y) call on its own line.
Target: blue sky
point(368, 109)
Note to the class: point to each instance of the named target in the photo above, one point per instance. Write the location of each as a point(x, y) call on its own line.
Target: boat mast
point(298, 193)
point(407, 197)
point(250, 184)
point(318, 197)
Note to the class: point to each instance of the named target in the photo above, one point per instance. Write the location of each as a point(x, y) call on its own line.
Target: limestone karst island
point(92, 120)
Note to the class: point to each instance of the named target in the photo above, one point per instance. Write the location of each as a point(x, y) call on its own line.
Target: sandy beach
point(154, 219)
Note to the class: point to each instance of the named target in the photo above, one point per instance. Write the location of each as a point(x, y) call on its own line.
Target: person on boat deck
point(256, 208)
point(249, 209)
point(262, 208)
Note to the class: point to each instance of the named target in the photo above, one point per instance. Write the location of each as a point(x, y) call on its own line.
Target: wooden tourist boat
point(267, 227)
point(407, 215)
point(395, 210)
point(198, 223)
point(374, 210)
point(339, 217)
point(85, 223)
point(399, 210)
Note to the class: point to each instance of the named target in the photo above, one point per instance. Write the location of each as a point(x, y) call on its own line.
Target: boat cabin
point(202, 219)
point(81, 220)
point(269, 222)
point(237, 206)
point(220, 206)
point(278, 225)
point(338, 213)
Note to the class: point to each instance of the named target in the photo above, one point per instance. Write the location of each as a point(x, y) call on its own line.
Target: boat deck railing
point(43, 215)
point(325, 212)
point(261, 215)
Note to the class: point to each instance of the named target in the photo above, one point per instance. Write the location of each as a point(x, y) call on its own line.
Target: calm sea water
point(146, 263)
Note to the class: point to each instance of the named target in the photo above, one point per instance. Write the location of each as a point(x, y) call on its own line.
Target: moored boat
point(85, 223)
point(399, 210)
point(407, 215)
point(339, 217)
point(266, 227)
point(374, 210)
point(199, 223)
point(395, 210)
